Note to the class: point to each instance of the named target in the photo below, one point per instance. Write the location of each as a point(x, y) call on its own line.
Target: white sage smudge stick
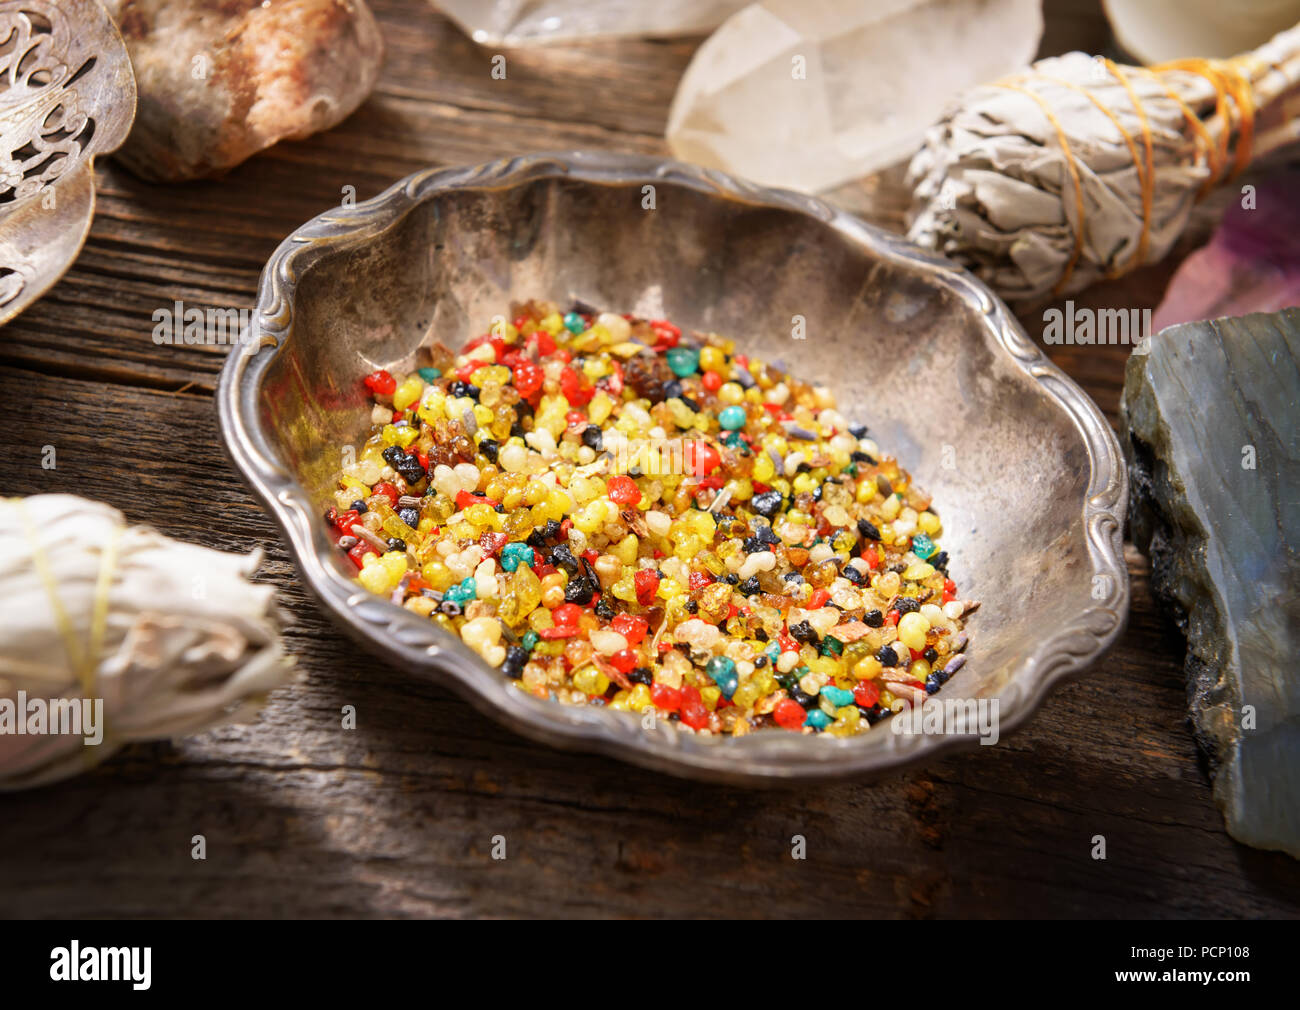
point(118, 632)
point(1081, 168)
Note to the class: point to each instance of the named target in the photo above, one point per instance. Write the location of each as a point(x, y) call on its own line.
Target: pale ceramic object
point(1158, 30)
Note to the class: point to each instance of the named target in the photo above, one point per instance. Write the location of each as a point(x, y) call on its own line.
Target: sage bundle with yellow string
point(115, 633)
point(1082, 169)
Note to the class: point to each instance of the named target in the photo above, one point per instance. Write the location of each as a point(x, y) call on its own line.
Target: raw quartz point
point(220, 80)
point(525, 22)
point(812, 95)
point(1209, 421)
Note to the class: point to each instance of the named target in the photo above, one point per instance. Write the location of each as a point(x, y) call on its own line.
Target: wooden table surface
point(397, 817)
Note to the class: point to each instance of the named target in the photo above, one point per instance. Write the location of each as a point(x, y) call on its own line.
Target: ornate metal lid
point(67, 93)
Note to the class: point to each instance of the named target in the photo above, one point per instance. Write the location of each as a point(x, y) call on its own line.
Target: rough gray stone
point(1209, 421)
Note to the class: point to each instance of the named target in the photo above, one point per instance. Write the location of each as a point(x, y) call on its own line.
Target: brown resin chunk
point(220, 80)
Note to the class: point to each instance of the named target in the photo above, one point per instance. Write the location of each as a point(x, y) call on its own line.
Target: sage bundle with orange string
point(1081, 168)
point(115, 633)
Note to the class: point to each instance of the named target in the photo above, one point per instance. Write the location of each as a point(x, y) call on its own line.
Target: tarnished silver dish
point(67, 93)
point(1022, 466)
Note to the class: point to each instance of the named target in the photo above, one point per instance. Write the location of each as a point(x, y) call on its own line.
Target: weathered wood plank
point(396, 817)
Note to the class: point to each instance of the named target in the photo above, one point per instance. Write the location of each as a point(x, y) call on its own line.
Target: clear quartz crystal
point(525, 22)
point(809, 94)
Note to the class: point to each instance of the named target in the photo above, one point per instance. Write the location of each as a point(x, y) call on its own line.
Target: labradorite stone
point(1209, 422)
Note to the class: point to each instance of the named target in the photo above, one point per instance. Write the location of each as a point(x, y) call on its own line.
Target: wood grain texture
point(397, 817)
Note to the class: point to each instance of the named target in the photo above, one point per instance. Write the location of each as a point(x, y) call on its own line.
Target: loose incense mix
point(615, 514)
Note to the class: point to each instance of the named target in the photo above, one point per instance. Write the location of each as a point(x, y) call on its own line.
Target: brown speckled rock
point(220, 80)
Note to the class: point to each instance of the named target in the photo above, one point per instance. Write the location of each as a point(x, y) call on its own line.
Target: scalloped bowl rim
point(418, 644)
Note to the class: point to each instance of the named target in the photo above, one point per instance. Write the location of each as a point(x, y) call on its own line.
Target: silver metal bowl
point(1024, 470)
